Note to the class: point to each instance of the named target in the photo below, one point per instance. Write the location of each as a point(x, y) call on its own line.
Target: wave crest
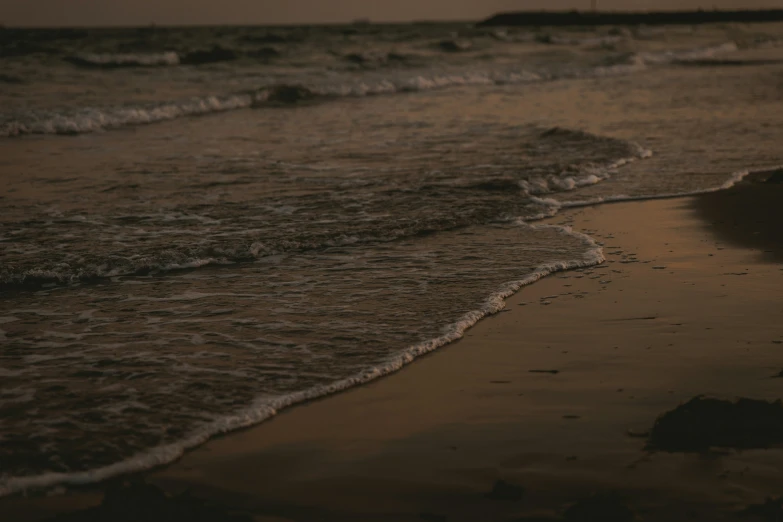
point(115, 61)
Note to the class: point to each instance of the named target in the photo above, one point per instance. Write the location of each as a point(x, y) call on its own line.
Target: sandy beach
point(541, 412)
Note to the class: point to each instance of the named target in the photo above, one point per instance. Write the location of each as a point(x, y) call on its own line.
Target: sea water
point(201, 226)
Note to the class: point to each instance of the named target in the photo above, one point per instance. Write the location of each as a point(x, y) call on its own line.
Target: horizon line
point(366, 21)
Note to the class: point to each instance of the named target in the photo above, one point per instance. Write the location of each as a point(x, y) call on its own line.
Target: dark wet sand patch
point(704, 423)
point(750, 215)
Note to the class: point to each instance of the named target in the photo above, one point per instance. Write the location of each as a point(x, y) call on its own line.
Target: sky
point(175, 12)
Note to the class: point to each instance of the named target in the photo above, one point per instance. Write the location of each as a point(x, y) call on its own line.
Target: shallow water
point(164, 283)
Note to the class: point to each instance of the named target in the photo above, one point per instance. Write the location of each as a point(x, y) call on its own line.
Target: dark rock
point(704, 423)
point(396, 57)
point(599, 508)
point(497, 185)
point(214, 55)
point(503, 490)
point(433, 517)
point(289, 94)
point(375, 59)
point(265, 53)
point(356, 58)
point(455, 46)
point(544, 38)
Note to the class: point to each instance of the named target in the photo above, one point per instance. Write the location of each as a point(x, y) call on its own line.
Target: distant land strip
point(559, 18)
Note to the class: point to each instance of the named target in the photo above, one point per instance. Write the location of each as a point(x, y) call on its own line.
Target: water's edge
point(266, 408)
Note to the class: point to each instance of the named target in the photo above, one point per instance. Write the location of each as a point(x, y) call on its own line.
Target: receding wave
point(261, 408)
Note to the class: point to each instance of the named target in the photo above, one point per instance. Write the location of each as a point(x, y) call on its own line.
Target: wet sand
point(541, 406)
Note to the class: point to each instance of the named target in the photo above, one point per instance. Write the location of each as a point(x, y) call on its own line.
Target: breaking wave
point(91, 119)
point(685, 56)
point(114, 61)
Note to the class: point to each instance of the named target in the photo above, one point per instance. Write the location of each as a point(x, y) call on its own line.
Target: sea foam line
point(263, 409)
point(266, 408)
point(620, 198)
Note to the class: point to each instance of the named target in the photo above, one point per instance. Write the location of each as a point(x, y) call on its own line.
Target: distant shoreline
point(561, 18)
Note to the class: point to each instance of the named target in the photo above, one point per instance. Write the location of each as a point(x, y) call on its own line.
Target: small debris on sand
point(288, 94)
point(553, 372)
point(455, 46)
point(704, 423)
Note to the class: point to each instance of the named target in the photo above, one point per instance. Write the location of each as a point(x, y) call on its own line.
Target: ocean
point(200, 226)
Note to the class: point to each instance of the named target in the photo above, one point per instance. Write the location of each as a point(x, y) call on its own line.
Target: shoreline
point(212, 469)
point(257, 414)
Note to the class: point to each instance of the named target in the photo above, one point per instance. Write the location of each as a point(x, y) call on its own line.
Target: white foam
point(93, 119)
point(265, 407)
point(667, 57)
point(109, 59)
point(595, 175)
point(618, 198)
point(99, 118)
